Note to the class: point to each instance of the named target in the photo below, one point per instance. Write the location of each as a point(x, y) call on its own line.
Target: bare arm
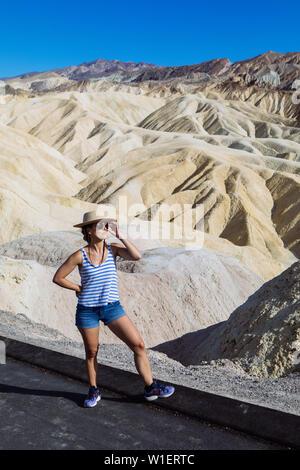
point(65, 269)
point(130, 252)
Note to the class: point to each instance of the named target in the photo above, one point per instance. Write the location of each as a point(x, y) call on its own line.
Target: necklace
point(101, 256)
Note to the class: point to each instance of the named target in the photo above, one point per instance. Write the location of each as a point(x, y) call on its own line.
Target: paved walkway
point(43, 410)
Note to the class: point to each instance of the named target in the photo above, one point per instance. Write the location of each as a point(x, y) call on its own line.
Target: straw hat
point(93, 216)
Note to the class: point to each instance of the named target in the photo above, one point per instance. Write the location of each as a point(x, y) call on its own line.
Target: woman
point(98, 299)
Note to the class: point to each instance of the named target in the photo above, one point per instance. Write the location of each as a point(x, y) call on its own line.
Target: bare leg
point(127, 332)
point(91, 343)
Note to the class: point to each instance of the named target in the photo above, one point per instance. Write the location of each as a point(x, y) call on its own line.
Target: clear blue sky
point(42, 35)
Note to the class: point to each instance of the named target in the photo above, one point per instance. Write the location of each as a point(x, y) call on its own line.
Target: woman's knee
point(139, 347)
point(91, 352)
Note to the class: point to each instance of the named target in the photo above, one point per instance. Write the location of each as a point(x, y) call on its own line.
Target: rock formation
point(167, 293)
point(262, 335)
point(217, 142)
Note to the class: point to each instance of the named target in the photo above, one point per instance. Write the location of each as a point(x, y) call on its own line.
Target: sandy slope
point(238, 162)
point(169, 292)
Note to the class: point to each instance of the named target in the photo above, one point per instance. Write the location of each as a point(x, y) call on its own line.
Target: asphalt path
point(43, 410)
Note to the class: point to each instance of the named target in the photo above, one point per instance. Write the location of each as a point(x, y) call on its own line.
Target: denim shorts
point(88, 317)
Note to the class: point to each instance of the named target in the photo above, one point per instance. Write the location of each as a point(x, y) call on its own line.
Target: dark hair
point(84, 231)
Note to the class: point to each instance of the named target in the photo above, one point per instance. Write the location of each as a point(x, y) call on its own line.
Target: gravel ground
point(222, 377)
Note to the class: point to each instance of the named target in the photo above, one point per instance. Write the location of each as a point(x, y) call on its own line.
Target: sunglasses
point(108, 223)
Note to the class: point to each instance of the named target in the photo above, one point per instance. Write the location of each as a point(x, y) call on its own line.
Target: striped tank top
point(99, 283)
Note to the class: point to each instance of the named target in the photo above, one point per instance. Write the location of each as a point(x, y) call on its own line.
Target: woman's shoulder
point(78, 256)
point(79, 251)
point(114, 249)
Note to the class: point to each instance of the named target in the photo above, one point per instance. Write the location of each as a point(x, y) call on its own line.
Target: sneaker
point(158, 390)
point(92, 398)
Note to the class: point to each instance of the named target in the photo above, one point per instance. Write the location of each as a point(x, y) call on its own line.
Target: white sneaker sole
point(92, 406)
point(154, 397)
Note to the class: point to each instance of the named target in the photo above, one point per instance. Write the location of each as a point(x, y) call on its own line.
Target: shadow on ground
point(182, 349)
point(77, 398)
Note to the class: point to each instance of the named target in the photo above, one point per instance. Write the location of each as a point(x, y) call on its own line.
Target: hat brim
point(93, 221)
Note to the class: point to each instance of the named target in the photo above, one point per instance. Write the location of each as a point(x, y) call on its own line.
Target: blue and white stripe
point(99, 283)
